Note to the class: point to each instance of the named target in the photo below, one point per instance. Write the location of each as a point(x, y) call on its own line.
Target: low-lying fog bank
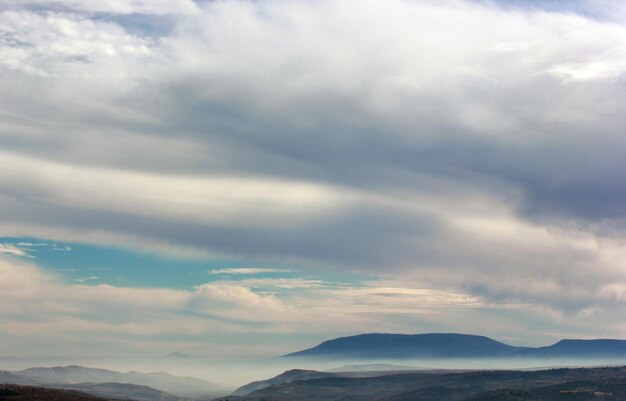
point(234, 373)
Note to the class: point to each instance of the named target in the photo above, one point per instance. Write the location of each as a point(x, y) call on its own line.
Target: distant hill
point(123, 391)
point(288, 376)
point(581, 384)
point(118, 384)
point(302, 374)
point(373, 367)
point(452, 345)
point(579, 349)
point(177, 355)
point(69, 374)
point(435, 345)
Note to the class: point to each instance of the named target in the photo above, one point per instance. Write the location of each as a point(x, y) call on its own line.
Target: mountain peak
point(177, 355)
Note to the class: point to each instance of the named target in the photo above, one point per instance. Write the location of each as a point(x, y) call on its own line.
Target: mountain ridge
point(608, 383)
point(110, 383)
point(455, 345)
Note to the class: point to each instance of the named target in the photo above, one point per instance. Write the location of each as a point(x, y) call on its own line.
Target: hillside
point(578, 349)
point(452, 345)
point(544, 385)
point(12, 392)
point(435, 345)
point(103, 382)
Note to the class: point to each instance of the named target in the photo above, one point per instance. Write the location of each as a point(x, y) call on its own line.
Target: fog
point(233, 373)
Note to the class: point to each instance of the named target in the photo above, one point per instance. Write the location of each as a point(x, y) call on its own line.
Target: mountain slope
point(12, 392)
point(578, 349)
point(70, 374)
point(544, 385)
point(450, 345)
point(121, 391)
point(300, 374)
point(374, 367)
point(288, 376)
point(177, 385)
point(434, 345)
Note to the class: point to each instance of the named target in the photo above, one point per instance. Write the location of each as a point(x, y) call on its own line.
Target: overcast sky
point(317, 168)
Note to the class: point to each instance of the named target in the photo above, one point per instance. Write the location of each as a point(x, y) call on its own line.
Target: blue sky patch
point(91, 265)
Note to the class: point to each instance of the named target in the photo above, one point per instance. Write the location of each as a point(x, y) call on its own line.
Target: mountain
point(122, 391)
point(13, 378)
point(69, 376)
point(301, 374)
point(607, 384)
point(288, 376)
point(177, 355)
point(452, 345)
point(373, 367)
point(435, 345)
point(579, 349)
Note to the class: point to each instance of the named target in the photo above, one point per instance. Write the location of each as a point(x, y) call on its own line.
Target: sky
point(247, 178)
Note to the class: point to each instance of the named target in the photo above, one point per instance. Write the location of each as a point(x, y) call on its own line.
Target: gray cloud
point(456, 144)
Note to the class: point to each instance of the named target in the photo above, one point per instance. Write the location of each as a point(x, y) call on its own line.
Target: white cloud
point(431, 142)
point(608, 66)
point(34, 306)
point(158, 7)
point(10, 249)
point(86, 279)
point(56, 45)
point(210, 199)
point(247, 270)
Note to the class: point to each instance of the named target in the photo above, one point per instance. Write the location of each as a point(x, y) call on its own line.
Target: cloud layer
point(469, 147)
point(283, 314)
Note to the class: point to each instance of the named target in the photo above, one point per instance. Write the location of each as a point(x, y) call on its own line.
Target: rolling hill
point(578, 349)
point(452, 345)
point(503, 385)
point(108, 383)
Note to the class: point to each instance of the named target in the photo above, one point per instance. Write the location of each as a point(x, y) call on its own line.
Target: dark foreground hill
point(608, 384)
point(452, 345)
point(13, 392)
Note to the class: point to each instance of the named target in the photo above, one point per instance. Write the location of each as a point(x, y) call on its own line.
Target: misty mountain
point(373, 367)
point(288, 376)
point(177, 355)
point(578, 349)
point(545, 385)
point(351, 371)
point(395, 346)
point(13, 378)
point(451, 345)
point(69, 376)
point(122, 391)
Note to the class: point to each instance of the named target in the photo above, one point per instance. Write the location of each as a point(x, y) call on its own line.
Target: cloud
point(37, 308)
point(247, 270)
point(86, 279)
point(26, 249)
point(10, 249)
point(608, 66)
point(114, 7)
point(470, 147)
